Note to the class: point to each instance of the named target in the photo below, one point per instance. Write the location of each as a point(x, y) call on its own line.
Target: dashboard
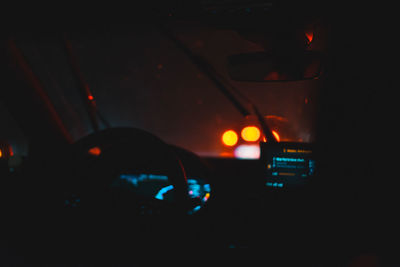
point(115, 201)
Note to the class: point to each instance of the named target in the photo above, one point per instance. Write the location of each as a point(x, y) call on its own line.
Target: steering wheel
point(99, 159)
point(101, 209)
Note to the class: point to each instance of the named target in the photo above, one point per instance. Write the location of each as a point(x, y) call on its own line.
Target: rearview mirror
point(270, 67)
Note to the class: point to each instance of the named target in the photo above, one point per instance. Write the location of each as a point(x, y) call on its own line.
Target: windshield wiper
point(207, 70)
point(83, 87)
point(221, 83)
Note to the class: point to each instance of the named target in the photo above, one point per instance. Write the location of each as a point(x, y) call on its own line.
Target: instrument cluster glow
point(159, 187)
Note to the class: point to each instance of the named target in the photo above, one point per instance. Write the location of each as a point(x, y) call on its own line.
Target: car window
point(141, 79)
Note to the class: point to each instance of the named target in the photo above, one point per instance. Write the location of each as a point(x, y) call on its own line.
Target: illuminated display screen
point(287, 163)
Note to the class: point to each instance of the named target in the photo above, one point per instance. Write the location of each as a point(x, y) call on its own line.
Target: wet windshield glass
point(141, 79)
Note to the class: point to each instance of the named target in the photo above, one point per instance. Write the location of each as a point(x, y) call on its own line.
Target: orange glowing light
point(277, 137)
point(95, 151)
point(230, 138)
point(226, 154)
point(251, 133)
point(1, 153)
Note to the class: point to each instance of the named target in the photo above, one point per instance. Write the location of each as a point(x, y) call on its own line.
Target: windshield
point(141, 79)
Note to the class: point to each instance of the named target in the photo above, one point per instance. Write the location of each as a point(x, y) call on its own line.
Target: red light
point(95, 151)
point(90, 97)
point(309, 35)
point(6, 151)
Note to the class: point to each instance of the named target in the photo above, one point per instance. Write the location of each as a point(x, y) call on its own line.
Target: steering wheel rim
point(71, 230)
point(122, 147)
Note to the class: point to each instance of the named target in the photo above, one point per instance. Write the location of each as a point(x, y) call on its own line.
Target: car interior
point(200, 124)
